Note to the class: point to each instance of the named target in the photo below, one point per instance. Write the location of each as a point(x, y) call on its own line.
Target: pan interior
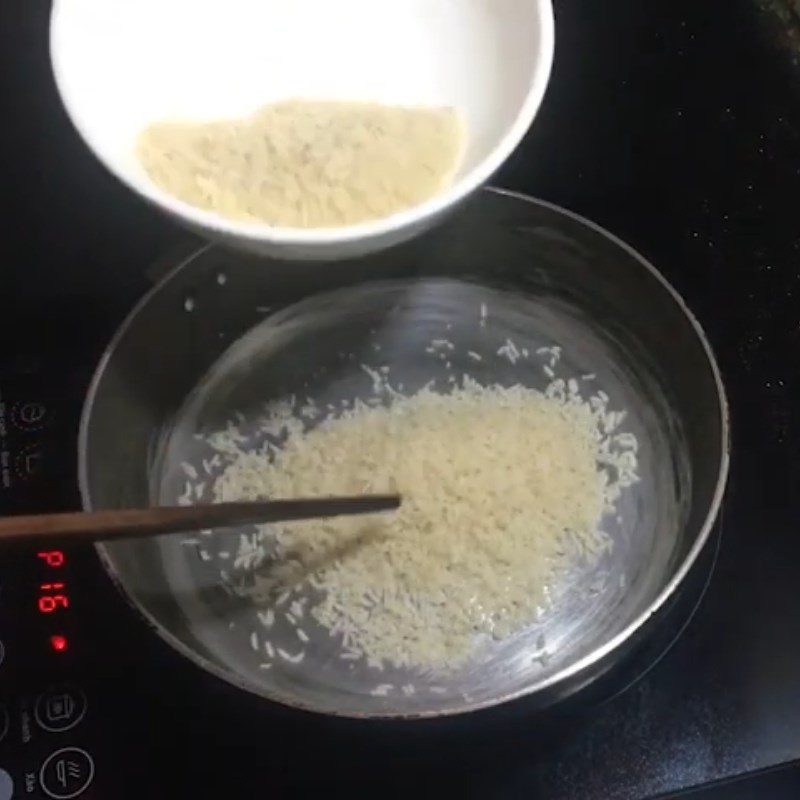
point(328, 349)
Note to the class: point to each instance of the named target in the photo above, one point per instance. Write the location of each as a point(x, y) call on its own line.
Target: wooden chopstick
point(91, 526)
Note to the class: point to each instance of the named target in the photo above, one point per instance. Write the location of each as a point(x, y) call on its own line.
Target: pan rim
point(570, 671)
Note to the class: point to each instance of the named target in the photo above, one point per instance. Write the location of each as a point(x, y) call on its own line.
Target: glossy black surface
point(675, 124)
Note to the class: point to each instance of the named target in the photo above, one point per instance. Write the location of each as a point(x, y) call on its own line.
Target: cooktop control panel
point(45, 735)
point(45, 711)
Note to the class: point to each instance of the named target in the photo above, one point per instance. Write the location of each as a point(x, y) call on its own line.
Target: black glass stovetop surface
point(676, 125)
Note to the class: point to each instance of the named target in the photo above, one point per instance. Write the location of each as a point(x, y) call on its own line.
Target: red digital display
point(52, 593)
point(48, 603)
point(53, 558)
point(59, 643)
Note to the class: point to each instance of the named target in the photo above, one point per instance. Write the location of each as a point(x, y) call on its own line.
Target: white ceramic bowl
point(121, 64)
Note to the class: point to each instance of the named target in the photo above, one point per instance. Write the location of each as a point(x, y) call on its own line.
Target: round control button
point(6, 786)
point(60, 708)
point(66, 773)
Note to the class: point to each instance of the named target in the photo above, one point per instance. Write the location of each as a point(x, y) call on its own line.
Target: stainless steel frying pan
point(222, 334)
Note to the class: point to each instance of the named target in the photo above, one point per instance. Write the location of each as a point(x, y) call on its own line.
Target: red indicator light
point(59, 643)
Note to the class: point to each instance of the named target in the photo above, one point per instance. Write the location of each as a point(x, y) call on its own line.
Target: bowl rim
point(560, 678)
point(290, 236)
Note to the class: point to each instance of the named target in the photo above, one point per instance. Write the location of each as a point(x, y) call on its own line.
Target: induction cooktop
point(676, 125)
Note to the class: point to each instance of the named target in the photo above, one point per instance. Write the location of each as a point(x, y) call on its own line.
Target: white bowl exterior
point(298, 250)
point(121, 64)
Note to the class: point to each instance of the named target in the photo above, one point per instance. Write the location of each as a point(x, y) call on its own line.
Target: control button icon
point(66, 773)
point(60, 708)
point(6, 786)
point(28, 461)
point(29, 416)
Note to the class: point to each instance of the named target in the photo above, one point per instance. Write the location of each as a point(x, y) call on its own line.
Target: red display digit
point(53, 558)
point(50, 602)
